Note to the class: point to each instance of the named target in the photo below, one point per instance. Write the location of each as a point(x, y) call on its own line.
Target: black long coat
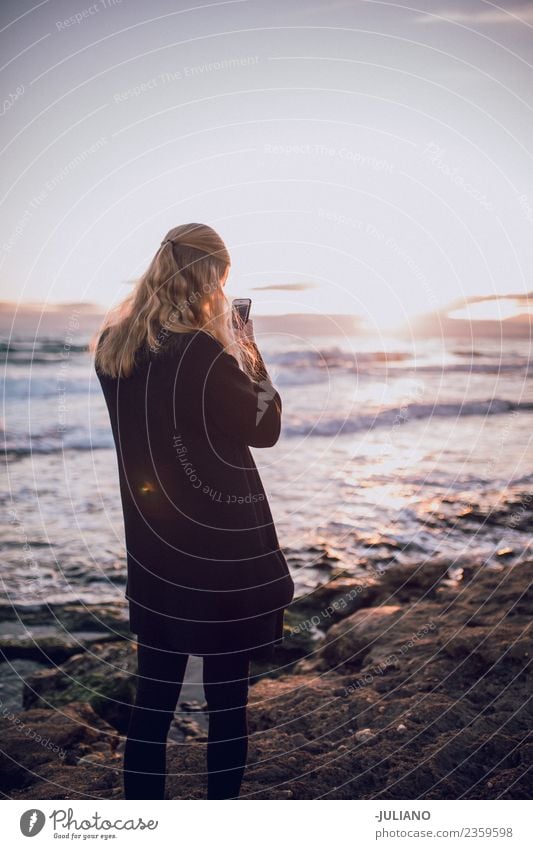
point(205, 570)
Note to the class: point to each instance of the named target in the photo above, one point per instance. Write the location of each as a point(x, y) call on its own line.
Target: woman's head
point(181, 291)
point(186, 274)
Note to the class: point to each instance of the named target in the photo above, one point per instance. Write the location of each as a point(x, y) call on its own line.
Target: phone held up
point(241, 311)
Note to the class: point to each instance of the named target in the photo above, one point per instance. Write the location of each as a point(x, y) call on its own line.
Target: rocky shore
point(410, 684)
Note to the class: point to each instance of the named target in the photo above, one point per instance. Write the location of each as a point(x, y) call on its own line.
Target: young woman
point(187, 394)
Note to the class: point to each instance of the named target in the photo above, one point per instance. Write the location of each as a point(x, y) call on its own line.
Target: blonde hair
point(179, 291)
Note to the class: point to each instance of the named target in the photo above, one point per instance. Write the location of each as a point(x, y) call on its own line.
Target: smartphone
point(241, 310)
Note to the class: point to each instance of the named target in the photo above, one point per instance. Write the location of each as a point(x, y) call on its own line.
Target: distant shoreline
point(39, 319)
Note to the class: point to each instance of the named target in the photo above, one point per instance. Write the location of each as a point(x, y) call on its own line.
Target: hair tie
point(164, 242)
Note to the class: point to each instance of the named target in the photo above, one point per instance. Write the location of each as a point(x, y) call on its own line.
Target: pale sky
point(357, 157)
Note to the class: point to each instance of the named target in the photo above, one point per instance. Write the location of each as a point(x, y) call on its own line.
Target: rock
point(45, 644)
point(305, 666)
point(41, 750)
point(412, 582)
point(12, 678)
point(476, 646)
point(309, 617)
point(300, 639)
point(112, 619)
point(353, 638)
point(439, 683)
point(188, 729)
point(193, 706)
point(364, 735)
point(70, 617)
point(337, 599)
point(300, 633)
point(103, 677)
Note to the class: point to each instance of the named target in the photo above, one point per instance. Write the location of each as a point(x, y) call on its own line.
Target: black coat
point(205, 570)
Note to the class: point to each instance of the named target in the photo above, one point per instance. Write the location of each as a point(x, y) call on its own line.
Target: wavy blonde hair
point(180, 291)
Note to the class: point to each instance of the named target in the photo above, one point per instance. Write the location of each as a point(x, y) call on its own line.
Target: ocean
point(395, 451)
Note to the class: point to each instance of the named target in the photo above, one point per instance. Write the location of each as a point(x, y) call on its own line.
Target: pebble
point(364, 734)
point(193, 706)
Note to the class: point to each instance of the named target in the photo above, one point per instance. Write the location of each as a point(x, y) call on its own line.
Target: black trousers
point(160, 674)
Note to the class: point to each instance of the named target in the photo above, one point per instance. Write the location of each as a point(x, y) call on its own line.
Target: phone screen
point(241, 310)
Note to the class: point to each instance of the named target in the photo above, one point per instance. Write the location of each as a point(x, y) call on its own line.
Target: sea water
point(389, 453)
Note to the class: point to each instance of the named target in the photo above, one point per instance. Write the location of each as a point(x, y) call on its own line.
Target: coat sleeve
point(245, 409)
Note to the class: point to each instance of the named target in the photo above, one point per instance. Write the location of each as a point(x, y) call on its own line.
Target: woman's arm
point(245, 409)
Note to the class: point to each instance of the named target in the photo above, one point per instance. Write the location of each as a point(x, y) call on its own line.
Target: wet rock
point(112, 618)
point(70, 617)
point(13, 674)
point(300, 633)
point(103, 677)
point(44, 643)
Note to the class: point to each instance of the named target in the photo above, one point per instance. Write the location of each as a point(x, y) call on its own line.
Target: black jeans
point(160, 675)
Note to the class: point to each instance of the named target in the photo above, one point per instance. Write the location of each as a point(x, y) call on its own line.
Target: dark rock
point(45, 644)
point(70, 617)
point(353, 638)
point(13, 674)
point(300, 639)
point(402, 583)
point(337, 599)
point(41, 752)
point(112, 618)
point(102, 676)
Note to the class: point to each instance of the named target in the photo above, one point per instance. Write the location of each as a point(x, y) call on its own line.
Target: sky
point(363, 157)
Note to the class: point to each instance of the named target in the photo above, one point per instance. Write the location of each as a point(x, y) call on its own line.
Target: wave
point(334, 357)
point(288, 368)
point(48, 387)
point(33, 351)
point(79, 383)
point(395, 416)
point(53, 440)
point(475, 368)
point(77, 439)
point(301, 366)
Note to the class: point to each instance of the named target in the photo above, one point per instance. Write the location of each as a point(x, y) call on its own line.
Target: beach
point(410, 685)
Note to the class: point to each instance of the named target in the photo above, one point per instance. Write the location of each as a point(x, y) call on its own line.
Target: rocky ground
point(412, 684)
